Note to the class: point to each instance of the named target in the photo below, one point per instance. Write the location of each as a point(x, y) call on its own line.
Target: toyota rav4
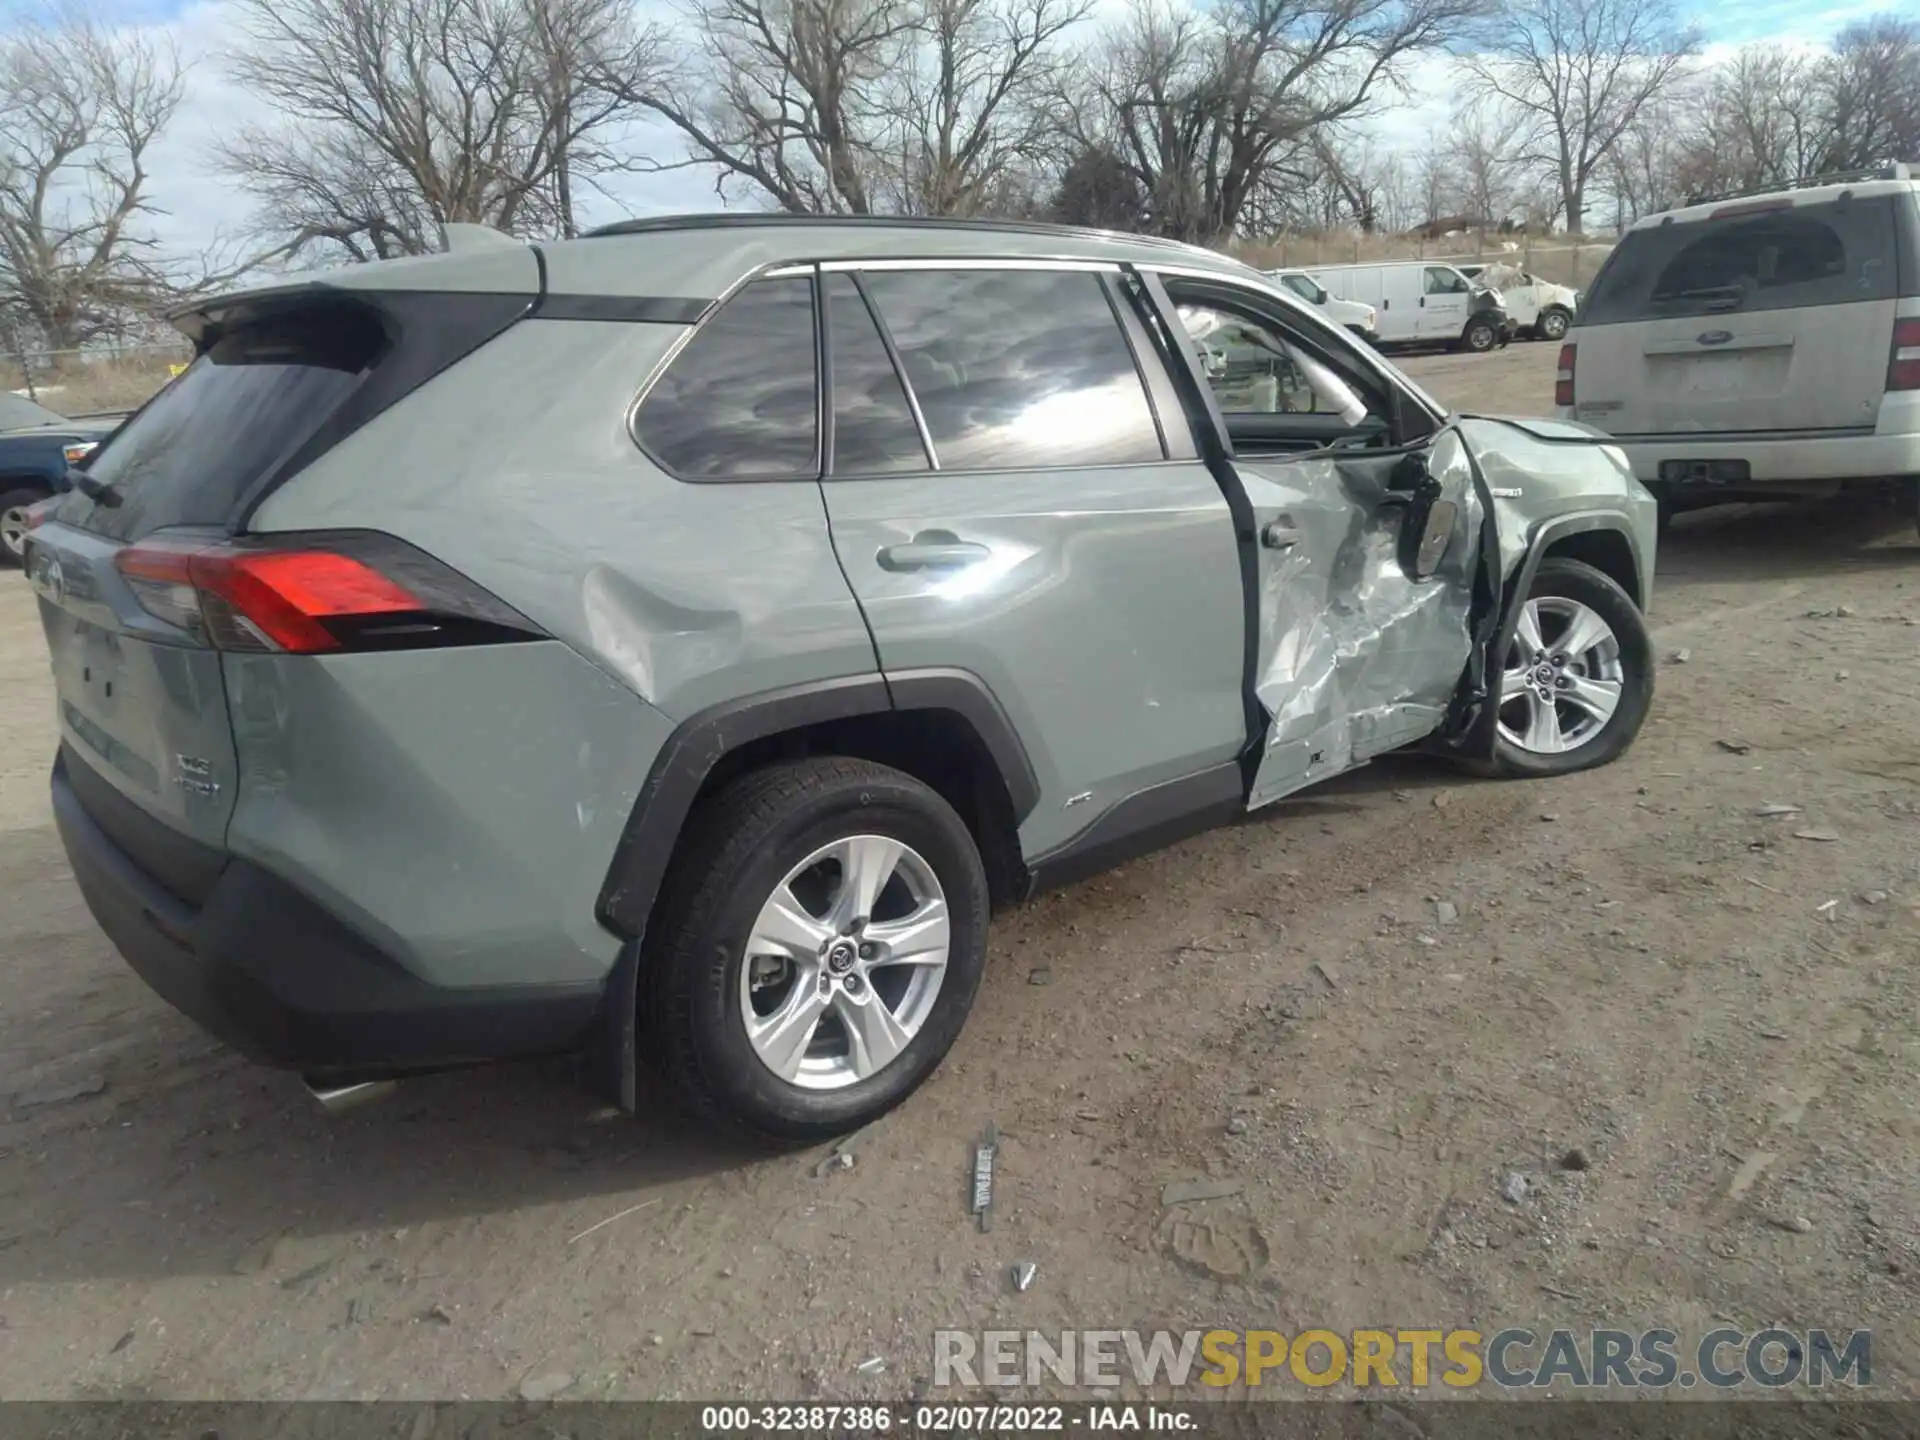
point(670, 645)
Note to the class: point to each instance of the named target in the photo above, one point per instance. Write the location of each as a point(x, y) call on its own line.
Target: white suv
point(1764, 346)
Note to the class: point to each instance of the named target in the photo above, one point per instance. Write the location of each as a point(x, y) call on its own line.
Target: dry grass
point(1561, 259)
point(94, 386)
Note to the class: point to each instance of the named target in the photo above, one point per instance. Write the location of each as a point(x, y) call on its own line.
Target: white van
point(1764, 346)
point(1348, 314)
point(1421, 303)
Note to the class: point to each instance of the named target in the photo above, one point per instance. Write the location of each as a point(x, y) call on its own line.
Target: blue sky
point(199, 206)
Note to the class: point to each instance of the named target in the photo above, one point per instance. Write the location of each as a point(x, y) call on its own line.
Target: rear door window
point(874, 432)
point(1809, 255)
point(741, 401)
point(232, 417)
point(1017, 369)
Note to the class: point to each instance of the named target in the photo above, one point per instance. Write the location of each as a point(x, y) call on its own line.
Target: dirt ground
point(1371, 1006)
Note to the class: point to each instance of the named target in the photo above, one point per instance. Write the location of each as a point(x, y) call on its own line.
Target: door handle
point(1279, 537)
point(928, 554)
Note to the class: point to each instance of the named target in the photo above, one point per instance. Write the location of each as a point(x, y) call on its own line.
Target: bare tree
point(399, 116)
point(918, 107)
point(1578, 71)
point(1434, 184)
point(80, 110)
point(1485, 160)
point(1215, 110)
point(1870, 88)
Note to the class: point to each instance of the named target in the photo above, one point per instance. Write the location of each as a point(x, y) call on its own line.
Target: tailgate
point(1820, 368)
point(142, 708)
point(1767, 318)
point(141, 703)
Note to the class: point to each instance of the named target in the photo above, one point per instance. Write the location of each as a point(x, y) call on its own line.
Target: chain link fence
point(1557, 259)
point(98, 378)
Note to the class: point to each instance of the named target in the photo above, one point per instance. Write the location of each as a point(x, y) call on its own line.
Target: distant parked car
point(1538, 307)
point(37, 449)
point(1351, 315)
point(1761, 346)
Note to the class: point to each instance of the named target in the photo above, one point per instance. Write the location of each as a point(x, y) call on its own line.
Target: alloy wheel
point(13, 530)
point(844, 962)
point(1562, 679)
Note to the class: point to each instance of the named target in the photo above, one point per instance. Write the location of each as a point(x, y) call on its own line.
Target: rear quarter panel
point(462, 807)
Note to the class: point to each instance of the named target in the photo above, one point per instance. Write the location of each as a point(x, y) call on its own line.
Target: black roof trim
point(1804, 182)
point(744, 220)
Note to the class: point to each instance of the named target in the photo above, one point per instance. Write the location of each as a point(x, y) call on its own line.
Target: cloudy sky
point(199, 205)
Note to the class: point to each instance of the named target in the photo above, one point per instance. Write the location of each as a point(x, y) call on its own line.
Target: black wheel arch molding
point(700, 743)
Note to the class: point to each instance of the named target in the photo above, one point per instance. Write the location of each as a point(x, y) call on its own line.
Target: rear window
point(1832, 254)
point(232, 417)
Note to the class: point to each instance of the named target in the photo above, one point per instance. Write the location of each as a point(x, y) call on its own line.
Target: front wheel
point(1577, 679)
point(1554, 324)
point(825, 932)
point(14, 505)
point(1479, 337)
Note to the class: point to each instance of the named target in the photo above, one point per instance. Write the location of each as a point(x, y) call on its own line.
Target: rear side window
point(1017, 369)
point(741, 400)
point(1833, 254)
point(873, 427)
point(233, 416)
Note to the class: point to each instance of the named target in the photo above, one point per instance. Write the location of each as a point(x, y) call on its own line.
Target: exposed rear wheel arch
point(938, 747)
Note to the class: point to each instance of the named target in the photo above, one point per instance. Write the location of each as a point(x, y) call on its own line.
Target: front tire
point(1554, 323)
point(1577, 680)
point(822, 939)
point(13, 524)
point(1479, 337)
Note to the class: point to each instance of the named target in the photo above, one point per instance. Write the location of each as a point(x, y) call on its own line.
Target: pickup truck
point(38, 449)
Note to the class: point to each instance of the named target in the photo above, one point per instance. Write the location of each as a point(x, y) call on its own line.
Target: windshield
point(17, 413)
point(1306, 288)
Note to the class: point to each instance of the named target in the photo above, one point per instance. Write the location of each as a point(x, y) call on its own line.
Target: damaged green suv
point(671, 645)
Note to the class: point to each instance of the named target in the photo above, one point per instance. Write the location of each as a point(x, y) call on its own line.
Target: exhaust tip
point(338, 1099)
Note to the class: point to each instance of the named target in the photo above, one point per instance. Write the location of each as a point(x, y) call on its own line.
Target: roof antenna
point(458, 239)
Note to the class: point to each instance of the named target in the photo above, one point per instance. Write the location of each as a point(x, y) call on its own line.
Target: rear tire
point(1479, 337)
point(1553, 323)
point(1613, 658)
point(13, 524)
point(714, 955)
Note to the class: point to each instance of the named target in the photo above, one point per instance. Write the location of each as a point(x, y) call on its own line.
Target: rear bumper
point(274, 975)
point(1783, 461)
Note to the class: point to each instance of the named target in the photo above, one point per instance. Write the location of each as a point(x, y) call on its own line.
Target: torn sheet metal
point(1356, 657)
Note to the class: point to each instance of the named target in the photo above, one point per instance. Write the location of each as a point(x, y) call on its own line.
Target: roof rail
point(745, 219)
point(458, 238)
point(1805, 182)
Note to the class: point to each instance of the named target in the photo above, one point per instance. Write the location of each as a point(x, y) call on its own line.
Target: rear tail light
point(1563, 379)
point(1903, 370)
point(315, 595)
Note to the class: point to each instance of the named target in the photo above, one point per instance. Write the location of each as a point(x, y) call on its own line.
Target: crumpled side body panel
point(1355, 657)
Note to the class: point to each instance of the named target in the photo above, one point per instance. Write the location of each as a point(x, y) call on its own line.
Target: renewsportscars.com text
point(1510, 1359)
